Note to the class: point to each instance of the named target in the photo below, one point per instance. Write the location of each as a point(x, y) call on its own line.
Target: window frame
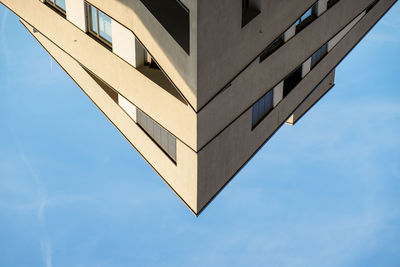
point(90, 27)
point(273, 47)
point(58, 9)
point(301, 23)
point(257, 115)
point(319, 55)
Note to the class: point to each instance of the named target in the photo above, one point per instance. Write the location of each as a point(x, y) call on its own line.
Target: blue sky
point(322, 193)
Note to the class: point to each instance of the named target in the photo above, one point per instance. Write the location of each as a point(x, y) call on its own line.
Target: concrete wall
point(118, 74)
point(181, 177)
point(343, 32)
point(312, 99)
point(126, 45)
point(225, 48)
point(128, 107)
point(260, 77)
point(223, 157)
point(76, 13)
point(180, 67)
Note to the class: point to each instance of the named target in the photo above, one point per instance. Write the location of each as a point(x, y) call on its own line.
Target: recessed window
point(275, 45)
point(309, 16)
point(58, 5)
point(99, 25)
point(262, 107)
point(249, 11)
point(330, 3)
point(159, 134)
point(292, 80)
point(319, 55)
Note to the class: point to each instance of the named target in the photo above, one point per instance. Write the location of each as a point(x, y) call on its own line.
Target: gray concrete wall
point(220, 160)
point(259, 78)
point(312, 99)
point(225, 48)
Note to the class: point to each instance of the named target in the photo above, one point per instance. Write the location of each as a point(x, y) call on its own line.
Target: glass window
point(159, 134)
point(61, 4)
point(100, 25)
point(58, 5)
point(292, 80)
point(93, 21)
point(262, 107)
point(275, 45)
point(319, 55)
point(105, 26)
point(309, 16)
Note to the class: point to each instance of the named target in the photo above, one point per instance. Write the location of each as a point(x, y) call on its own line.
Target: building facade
point(197, 87)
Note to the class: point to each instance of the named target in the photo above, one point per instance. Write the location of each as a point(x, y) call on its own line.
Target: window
point(99, 25)
point(330, 3)
point(319, 55)
point(159, 134)
point(249, 11)
point(306, 18)
point(278, 42)
point(262, 107)
point(174, 17)
point(292, 80)
point(58, 5)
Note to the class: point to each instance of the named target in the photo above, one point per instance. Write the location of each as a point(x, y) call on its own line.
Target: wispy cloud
point(46, 252)
point(42, 206)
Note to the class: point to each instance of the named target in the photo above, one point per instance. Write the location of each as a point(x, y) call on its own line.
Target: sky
point(324, 192)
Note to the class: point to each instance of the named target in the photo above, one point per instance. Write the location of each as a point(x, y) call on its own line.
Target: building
point(197, 87)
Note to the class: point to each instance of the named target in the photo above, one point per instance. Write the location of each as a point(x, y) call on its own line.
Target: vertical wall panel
point(76, 13)
point(125, 45)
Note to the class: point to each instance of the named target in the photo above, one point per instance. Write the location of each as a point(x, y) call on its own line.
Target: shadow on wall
point(174, 17)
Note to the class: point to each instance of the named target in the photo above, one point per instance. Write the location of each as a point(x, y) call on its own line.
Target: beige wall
point(76, 13)
point(181, 177)
point(126, 46)
point(180, 67)
point(120, 75)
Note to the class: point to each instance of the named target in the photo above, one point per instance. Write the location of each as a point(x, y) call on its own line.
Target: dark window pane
point(276, 44)
point(317, 56)
point(309, 16)
point(291, 81)
point(262, 107)
point(93, 21)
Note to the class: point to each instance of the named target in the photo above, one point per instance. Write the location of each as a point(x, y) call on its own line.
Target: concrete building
point(197, 87)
